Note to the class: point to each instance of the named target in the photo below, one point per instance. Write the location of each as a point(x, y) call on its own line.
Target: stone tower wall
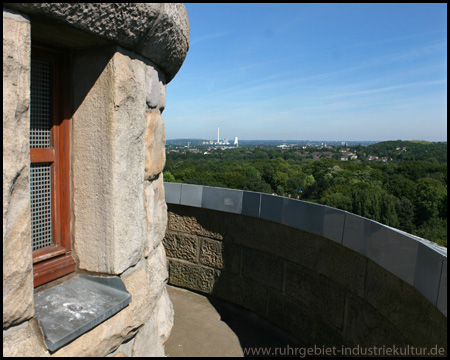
point(122, 57)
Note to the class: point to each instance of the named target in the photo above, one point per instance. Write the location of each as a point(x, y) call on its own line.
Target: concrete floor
point(207, 326)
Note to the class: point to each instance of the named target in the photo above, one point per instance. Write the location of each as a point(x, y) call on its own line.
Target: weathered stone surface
point(162, 99)
point(155, 140)
point(399, 302)
point(364, 325)
point(159, 32)
point(17, 260)
point(296, 245)
point(155, 88)
point(341, 265)
point(156, 212)
point(124, 350)
point(286, 313)
point(322, 296)
point(108, 161)
point(305, 326)
point(212, 253)
point(192, 276)
point(181, 246)
point(23, 341)
point(165, 314)
point(263, 267)
point(157, 271)
point(198, 222)
point(150, 339)
point(242, 291)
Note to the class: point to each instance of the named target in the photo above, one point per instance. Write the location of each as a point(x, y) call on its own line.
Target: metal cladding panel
point(191, 195)
point(227, 200)
point(314, 218)
point(393, 251)
point(172, 192)
point(251, 203)
point(356, 233)
point(428, 272)
point(442, 296)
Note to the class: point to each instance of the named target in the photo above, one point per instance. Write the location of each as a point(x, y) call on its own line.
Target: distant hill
point(410, 150)
point(420, 141)
point(181, 142)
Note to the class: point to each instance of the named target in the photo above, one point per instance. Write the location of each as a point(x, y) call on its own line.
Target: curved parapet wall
point(327, 276)
point(158, 32)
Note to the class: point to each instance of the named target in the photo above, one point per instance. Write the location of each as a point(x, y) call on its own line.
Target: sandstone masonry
point(121, 58)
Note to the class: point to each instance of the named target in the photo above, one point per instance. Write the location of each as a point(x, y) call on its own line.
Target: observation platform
point(205, 326)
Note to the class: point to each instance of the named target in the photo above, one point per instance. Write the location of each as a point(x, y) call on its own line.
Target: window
point(50, 165)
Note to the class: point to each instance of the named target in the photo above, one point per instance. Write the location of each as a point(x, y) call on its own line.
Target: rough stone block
point(232, 258)
point(290, 316)
point(156, 213)
point(108, 161)
point(342, 265)
point(294, 318)
point(149, 341)
point(366, 327)
point(17, 258)
point(162, 99)
point(200, 222)
point(155, 88)
point(323, 297)
point(211, 253)
point(263, 267)
point(124, 350)
point(155, 140)
point(419, 321)
point(242, 291)
point(192, 276)
point(23, 341)
point(181, 246)
point(290, 244)
point(158, 272)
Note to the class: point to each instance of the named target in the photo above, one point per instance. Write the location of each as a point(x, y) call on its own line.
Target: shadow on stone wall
point(322, 293)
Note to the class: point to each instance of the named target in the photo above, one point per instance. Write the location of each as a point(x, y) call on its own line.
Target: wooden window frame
point(52, 262)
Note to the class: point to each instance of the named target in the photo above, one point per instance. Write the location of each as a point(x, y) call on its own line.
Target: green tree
point(168, 177)
point(429, 200)
point(434, 229)
point(405, 213)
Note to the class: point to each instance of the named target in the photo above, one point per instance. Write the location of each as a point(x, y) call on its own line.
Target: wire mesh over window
point(41, 205)
point(41, 110)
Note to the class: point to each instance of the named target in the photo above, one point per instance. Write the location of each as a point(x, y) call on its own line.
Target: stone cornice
point(158, 32)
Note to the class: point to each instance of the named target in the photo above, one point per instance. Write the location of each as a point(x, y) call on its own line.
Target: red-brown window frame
point(52, 262)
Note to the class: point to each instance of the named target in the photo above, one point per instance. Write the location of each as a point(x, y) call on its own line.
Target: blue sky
point(312, 72)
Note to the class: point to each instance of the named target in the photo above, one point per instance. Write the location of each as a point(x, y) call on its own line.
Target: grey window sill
point(71, 309)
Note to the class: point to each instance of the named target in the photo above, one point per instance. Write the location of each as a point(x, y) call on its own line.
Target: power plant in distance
point(223, 142)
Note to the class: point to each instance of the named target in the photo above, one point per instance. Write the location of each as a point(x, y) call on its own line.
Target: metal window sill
point(71, 309)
